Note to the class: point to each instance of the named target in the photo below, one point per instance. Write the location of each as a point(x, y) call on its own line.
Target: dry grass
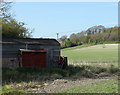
point(25, 80)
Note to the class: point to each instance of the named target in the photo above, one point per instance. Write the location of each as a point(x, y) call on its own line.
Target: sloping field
point(107, 53)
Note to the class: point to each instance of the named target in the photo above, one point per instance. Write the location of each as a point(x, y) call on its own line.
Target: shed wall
point(11, 51)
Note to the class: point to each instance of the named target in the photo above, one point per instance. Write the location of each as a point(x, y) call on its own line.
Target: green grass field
point(92, 54)
point(104, 86)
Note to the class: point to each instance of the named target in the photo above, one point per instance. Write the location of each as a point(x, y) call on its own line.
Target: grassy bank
point(76, 47)
point(112, 42)
point(29, 74)
point(104, 86)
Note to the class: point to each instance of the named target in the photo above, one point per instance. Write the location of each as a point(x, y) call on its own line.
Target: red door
point(34, 59)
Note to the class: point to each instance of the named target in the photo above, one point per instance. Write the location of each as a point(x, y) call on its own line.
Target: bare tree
point(4, 9)
point(63, 38)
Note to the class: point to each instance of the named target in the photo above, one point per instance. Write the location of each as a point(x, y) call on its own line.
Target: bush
point(113, 69)
point(68, 43)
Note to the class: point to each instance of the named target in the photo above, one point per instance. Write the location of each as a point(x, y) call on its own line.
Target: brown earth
point(57, 85)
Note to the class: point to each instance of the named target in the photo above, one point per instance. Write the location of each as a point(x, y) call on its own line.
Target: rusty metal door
point(34, 59)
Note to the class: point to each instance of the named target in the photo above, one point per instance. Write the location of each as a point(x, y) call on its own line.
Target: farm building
point(46, 51)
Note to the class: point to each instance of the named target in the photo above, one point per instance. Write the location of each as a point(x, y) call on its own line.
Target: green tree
point(74, 38)
point(68, 43)
point(13, 29)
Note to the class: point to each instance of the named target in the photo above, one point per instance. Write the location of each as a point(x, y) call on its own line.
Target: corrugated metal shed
point(10, 49)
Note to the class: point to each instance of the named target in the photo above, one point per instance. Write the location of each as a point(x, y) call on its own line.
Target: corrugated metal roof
point(39, 41)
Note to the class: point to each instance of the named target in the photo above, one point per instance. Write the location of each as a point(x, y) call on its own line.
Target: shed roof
point(32, 41)
point(28, 50)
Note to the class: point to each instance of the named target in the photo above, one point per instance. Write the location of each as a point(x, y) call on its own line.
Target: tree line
point(94, 35)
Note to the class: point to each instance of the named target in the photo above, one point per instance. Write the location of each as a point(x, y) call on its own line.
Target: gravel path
point(64, 84)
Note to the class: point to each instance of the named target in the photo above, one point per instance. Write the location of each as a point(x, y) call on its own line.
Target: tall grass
point(95, 68)
point(29, 74)
point(15, 79)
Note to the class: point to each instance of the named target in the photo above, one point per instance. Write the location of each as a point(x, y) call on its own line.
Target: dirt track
point(64, 84)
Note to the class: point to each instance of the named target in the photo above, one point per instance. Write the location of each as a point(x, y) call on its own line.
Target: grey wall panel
point(34, 47)
point(52, 52)
point(11, 51)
